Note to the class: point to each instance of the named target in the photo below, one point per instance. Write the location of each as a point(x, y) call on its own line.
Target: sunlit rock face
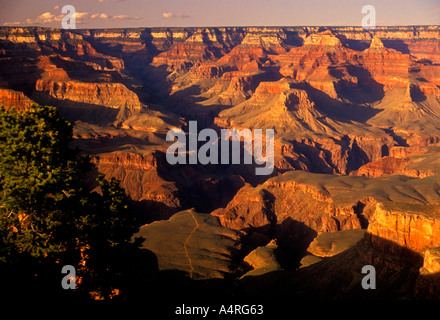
point(356, 148)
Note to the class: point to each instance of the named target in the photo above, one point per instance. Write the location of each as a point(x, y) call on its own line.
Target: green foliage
point(47, 213)
point(38, 172)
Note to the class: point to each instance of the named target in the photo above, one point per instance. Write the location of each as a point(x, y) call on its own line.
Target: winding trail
point(186, 244)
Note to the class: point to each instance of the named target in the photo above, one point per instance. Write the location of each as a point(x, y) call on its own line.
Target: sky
point(211, 13)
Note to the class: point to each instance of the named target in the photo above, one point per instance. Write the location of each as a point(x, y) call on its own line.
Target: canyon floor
point(356, 179)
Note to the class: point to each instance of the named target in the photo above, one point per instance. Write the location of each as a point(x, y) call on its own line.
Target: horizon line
point(229, 26)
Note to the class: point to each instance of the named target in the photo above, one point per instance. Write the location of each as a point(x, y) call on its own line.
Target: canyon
point(356, 118)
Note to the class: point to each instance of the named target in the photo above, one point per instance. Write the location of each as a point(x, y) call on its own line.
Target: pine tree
point(48, 215)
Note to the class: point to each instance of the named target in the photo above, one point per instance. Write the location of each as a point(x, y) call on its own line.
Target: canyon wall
point(355, 115)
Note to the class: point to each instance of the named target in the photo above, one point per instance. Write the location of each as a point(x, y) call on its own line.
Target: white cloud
point(171, 15)
point(99, 16)
point(124, 17)
point(15, 23)
point(81, 17)
point(46, 17)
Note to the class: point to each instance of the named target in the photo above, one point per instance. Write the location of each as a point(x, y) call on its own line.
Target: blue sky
point(152, 13)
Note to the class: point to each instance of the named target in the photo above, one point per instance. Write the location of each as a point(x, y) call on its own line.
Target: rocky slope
point(350, 96)
point(399, 237)
point(199, 246)
point(356, 119)
point(297, 206)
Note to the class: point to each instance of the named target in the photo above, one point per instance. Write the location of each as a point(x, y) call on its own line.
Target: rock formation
point(192, 242)
point(356, 119)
